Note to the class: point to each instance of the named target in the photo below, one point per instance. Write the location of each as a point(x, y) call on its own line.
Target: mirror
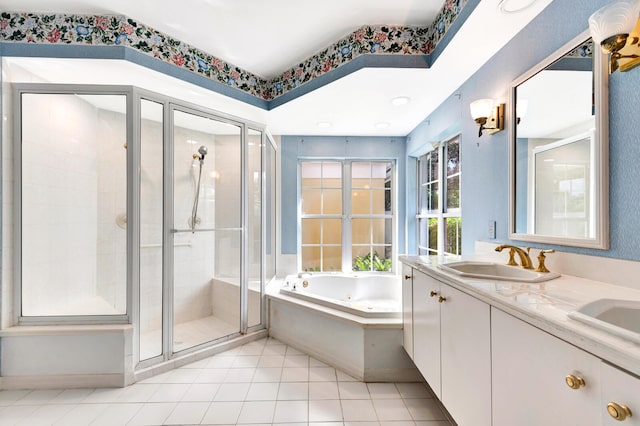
point(559, 149)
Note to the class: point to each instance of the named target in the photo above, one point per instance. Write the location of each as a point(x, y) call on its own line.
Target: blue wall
point(485, 166)
point(293, 148)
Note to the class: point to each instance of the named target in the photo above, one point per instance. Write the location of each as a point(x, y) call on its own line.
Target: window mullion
point(346, 217)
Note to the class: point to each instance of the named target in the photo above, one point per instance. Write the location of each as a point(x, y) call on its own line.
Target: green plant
point(371, 262)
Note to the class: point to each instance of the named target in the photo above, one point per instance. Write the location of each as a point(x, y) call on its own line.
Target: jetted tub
point(350, 321)
point(365, 295)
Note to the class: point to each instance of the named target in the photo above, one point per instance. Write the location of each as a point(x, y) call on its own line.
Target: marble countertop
point(545, 306)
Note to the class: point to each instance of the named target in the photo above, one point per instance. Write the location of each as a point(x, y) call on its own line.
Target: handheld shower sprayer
point(194, 220)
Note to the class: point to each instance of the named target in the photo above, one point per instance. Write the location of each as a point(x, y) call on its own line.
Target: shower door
point(206, 235)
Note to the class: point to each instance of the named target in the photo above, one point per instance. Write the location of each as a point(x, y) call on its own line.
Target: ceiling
point(268, 36)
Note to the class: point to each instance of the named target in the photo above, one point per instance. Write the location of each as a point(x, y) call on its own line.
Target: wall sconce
point(487, 116)
point(616, 28)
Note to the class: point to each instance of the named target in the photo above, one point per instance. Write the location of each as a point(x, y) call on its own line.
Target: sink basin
point(496, 271)
point(619, 317)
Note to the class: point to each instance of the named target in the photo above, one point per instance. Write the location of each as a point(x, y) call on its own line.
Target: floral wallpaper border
point(119, 30)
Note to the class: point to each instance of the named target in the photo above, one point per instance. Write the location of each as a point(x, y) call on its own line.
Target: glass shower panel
point(270, 212)
point(254, 226)
point(151, 202)
point(73, 233)
point(207, 188)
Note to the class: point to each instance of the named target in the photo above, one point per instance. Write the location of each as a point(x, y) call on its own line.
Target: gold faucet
point(541, 257)
point(525, 260)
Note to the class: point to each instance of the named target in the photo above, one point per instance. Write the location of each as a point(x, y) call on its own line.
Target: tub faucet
point(525, 260)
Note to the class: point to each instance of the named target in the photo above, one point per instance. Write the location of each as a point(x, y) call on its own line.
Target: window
point(347, 215)
point(439, 222)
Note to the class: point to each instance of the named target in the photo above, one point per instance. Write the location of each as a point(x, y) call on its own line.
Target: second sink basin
point(496, 271)
point(619, 317)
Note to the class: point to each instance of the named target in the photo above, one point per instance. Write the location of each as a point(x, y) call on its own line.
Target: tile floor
point(261, 383)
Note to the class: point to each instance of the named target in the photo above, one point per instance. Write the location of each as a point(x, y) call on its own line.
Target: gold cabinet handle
point(433, 293)
point(618, 411)
point(442, 299)
point(407, 277)
point(574, 382)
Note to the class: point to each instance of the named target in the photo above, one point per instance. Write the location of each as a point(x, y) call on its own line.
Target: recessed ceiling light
point(400, 100)
point(323, 124)
point(514, 6)
point(382, 125)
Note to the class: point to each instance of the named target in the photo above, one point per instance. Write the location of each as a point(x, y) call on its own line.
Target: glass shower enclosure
point(135, 207)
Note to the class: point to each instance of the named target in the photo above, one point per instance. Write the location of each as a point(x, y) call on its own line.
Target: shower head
point(202, 151)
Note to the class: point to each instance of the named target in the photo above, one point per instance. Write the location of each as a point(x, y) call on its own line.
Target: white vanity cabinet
point(426, 328)
point(465, 357)
point(531, 373)
point(452, 348)
point(619, 390)
point(407, 309)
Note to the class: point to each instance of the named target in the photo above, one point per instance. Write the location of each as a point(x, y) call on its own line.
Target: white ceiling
point(268, 36)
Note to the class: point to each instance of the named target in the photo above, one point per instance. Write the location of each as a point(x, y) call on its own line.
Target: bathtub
point(352, 322)
point(365, 295)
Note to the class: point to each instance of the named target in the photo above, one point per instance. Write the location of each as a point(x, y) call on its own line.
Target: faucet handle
point(541, 257)
point(512, 260)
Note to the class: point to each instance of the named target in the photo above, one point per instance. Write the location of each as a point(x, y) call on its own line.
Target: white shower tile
point(424, 409)
point(187, 413)
point(138, 393)
point(239, 375)
point(413, 390)
point(296, 361)
point(293, 391)
point(323, 390)
point(344, 377)
point(353, 390)
point(201, 392)
point(220, 361)
point(117, 414)
point(257, 412)
point(262, 392)
point(245, 361)
point(295, 374)
point(72, 396)
point(383, 391)
point(358, 410)
point(216, 375)
point(232, 392)
point(45, 415)
point(316, 363)
point(107, 395)
point(169, 392)
point(322, 374)
point(81, 415)
point(220, 413)
point(271, 361)
point(183, 375)
point(391, 409)
point(8, 397)
point(325, 411)
point(267, 375)
point(291, 411)
point(152, 414)
point(38, 397)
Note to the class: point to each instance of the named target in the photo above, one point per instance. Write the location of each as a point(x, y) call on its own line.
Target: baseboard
point(65, 381)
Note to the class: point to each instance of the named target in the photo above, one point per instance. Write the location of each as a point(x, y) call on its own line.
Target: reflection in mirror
point(559, 157)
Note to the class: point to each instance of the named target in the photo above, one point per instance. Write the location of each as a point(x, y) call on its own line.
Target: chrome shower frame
point(134, 96)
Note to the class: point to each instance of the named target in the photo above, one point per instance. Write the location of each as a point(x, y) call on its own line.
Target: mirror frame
point(601, 170)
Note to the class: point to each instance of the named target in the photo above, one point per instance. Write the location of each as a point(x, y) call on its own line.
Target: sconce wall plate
point(630, 53)
point(495, 123)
